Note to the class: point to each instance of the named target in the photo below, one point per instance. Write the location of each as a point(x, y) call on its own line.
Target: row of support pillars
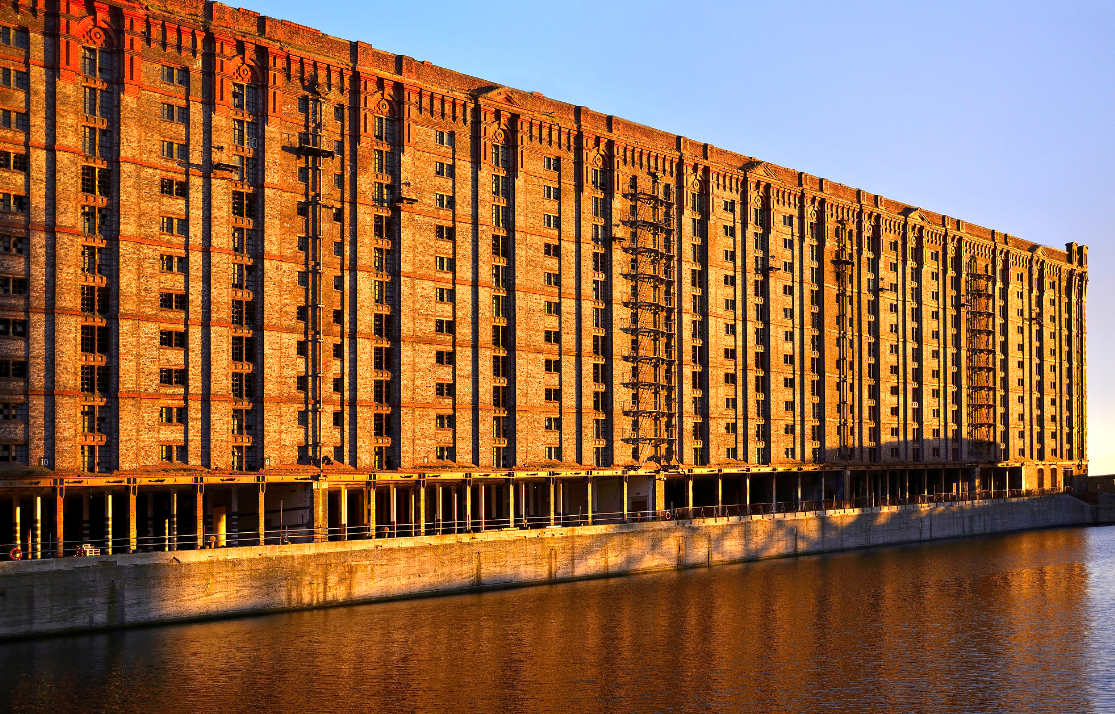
point(427, 506)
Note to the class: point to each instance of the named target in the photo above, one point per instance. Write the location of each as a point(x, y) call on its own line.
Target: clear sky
point(1001, 114)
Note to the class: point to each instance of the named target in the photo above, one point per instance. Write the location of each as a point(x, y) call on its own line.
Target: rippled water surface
point(1019, 623)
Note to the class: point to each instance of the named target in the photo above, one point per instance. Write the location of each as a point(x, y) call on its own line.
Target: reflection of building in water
point(235, 248)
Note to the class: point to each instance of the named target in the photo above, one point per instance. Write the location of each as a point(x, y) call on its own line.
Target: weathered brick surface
point(809, 322)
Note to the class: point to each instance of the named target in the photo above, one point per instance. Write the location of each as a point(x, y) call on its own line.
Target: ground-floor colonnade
point(65, 515)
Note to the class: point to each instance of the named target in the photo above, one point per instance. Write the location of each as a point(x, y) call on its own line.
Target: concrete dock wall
point(71, 594)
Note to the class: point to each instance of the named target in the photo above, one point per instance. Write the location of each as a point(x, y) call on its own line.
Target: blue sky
point(1001, 114)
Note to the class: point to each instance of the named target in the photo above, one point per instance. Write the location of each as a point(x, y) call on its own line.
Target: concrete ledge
point(73, 594)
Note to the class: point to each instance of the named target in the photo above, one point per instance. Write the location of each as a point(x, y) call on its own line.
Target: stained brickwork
point(232, 241)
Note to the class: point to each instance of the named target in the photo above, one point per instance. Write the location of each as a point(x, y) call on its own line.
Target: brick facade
point(232, 241)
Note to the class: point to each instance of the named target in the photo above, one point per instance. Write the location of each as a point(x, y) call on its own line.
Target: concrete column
point(38, 527)
point(131, 519)
point(511, 503)
point(234, 517)
point(846, 483)
point(261, 509)
point(456, 512)
point(370, 504)
point(174, 520)
point(468, 506)
point(822, 477)
point(589, 483)
point(689, 493)
point(480, 505)
point(523, 504)
point(439, 514)
point(108, 523)
point(151, 519)
point(85, 517)
point(799, 488)
point(551, 480)
point(421, 491)
point(394, 509)
point(659, 493)
point(59, 523)
point(15, 522)
point(560, 503)
point(411, 495)
point(625, 498)
point(747, 490)
point(344, 513)
point(719, 493)
point(199, 516)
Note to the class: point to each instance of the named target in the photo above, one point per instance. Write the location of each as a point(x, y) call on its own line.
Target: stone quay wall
point(75, 594)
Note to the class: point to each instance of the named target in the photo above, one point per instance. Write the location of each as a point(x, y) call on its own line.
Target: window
point(551, 163)
point(243, 348)
point(15, 162)
point(94, 379)
point(172, 415)
point(243, 204)
point(172, 301)
point(243, 385)
point(553, 365)
point(172, 112)
point(167, 186)
point(173, 263)
point(175, 75)
point(243, 312)
point(384, 129)
point(552, 308)
point(551, 249)
point(551, 221)
point(444, 327)
point(500, 216)
point(15, 37)
point(443, 138)
point(444, 294)
point(173, 226)
point(244, 97)
point(553, 423)
point(551, 193)
point(443, 389)
point(501, 156)
point(171, 376)
point(553, 453)
point(552, 279)
point(170, 150)
point(172, 338)
point(96, 142)
point(96, 63)
point(15, 202)
point(442, 200)
point(443, 169)
point(443, 263)
point(443, 357)
point(552, 337)
point(553, 394)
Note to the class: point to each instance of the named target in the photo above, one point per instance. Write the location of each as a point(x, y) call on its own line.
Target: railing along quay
point(39, 548)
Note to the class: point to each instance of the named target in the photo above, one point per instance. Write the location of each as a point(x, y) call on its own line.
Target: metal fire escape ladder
point(652, 354)
point(980, 364)
point(311, 151)
point(843, 263)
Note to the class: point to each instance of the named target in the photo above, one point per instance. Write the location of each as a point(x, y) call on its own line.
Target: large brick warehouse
point(234, 244)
